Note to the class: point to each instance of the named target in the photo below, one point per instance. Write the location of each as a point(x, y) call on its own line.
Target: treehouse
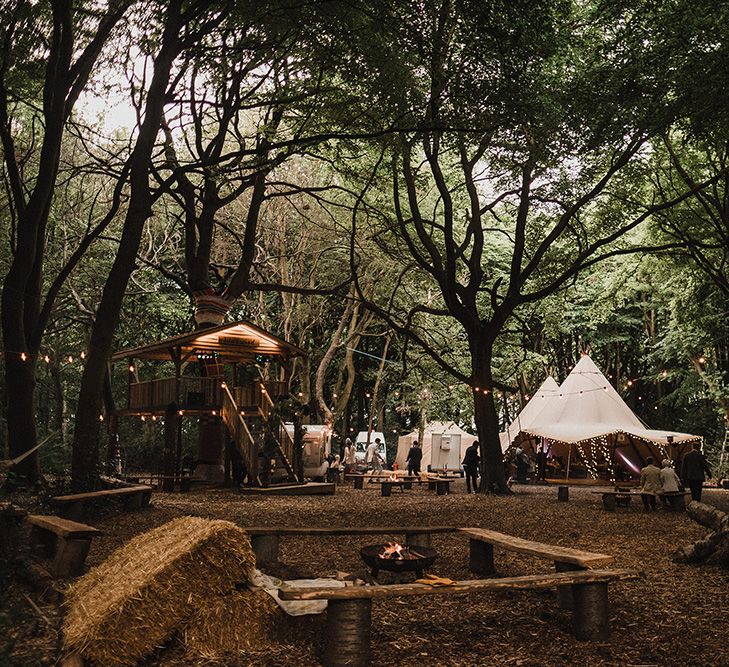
point(229, 378)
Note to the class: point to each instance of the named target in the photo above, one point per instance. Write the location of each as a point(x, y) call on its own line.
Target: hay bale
point(240, 622)
point(136, 599)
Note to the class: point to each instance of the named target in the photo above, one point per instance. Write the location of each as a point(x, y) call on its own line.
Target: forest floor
point(676, 616)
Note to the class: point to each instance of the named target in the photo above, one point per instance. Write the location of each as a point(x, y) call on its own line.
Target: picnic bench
point(611, 500)
point(72, 506)
point(265, 540)
point(349, 609)
point(442, 486)
point(66, 542)
point(388, 484)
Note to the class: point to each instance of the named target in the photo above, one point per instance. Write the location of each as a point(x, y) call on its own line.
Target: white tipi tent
point(530, 412)
point(588, 412)
point(443, 443)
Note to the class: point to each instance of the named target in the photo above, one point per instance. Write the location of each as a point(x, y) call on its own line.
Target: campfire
point(395, 550)
point(392, 478)
point(396, 557)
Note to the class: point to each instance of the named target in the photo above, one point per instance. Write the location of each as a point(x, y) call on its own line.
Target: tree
point(522, 175)
point(47, 57)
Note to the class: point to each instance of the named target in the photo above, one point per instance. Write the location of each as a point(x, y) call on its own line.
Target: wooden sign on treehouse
point(245, 341)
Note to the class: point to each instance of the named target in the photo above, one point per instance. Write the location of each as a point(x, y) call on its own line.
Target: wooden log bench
point(349, 609)
point(614, 499)
point(72, 506)
point(388, 485)
point(442, 487)
point(65, 542)
point(266, 540)
point(481, 556)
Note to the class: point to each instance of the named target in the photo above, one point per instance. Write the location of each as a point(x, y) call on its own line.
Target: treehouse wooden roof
point(234, 342)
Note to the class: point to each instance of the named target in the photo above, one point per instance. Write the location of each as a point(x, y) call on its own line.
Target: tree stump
point(563, 494)
point(347, 635)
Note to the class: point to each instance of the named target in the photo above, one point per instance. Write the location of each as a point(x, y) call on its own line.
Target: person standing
point(372, 456)
point(693, 470)
point(650, 485)
point(415, 456)
point(470, 466)
point(350, 462)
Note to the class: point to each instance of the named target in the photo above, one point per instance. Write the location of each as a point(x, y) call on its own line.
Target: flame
point(394, 550)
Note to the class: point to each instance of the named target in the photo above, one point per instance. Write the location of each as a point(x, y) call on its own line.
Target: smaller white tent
point(530, 412)
point(444, 444)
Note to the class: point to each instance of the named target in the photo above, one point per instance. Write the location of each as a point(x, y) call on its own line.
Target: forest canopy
point(426, 197)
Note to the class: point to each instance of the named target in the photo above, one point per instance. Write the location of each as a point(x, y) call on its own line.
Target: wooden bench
point(265, 540)
point(442, 487)
point(612, 499)
point(349, 609)
point(72, 506)
point(388, 484)
point(66, 542)
point(481, 556)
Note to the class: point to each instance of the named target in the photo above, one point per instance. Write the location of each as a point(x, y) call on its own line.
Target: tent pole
point(569, 457)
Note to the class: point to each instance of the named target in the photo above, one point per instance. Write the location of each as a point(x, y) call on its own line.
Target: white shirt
point(371, 452)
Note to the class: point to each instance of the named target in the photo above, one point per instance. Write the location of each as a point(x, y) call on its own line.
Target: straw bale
point(150, 587)
point(242, 621)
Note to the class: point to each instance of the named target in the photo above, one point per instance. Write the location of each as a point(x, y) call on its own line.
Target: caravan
point(317, 446)
point(361, 447)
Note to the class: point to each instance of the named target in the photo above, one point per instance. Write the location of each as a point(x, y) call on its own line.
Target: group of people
point(656, 481)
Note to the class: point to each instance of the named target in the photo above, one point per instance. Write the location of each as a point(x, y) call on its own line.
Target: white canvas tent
point(444, 443)
point(530, 412)
point(588, 419)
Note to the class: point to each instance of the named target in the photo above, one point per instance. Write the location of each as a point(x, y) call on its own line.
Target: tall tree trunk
point(85, 455)
point(487, 422)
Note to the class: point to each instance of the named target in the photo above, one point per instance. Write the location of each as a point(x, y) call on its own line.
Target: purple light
point(629, 463)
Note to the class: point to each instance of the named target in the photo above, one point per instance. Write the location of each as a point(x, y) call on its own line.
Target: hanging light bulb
point(70, 359)
point(131, 368)
point(702, 359)
point(83, 354)
point(47, 359)
point(23, 356)
point(101, 418)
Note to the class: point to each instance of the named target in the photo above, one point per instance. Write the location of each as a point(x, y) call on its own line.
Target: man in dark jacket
point(470, 466)
point(415, 456)
point(693, 467)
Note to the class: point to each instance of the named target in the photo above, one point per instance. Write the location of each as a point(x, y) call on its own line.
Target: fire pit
point(395, 557)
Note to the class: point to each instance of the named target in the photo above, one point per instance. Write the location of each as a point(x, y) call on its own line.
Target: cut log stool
point(66, 542)
point(563, 494)
point(348, 625)
point(359, 482)
point(265, 547)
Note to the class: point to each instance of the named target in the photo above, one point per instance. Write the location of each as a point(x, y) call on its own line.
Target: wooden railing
point(285, 441)
point(239, 432)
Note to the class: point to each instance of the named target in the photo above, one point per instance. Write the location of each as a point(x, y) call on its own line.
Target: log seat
point(265, 539)
point(349, 609)
point(72, 506)
point(66, 542)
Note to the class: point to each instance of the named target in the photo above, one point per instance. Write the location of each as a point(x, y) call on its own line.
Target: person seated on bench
point(650, 485)
point(670, 483)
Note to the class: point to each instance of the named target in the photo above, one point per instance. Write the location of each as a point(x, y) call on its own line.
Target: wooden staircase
point(248, 431)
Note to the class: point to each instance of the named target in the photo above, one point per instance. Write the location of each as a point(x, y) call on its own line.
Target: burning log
point(714, 547)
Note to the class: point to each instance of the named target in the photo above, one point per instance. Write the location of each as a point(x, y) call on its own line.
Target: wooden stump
point(265, 547)
point(442, 487)
point(481, 557)
point(134, 501)
point(564, 593)
point(70, 556)
point(407, 485)
point(590, 619)
point(386, 488)
point(347, 634)
point(359, 482)
point(431, 486)
point(609, 502)
point(563, 494)
point(417, 539)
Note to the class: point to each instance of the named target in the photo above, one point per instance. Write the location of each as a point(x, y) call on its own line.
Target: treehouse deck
point(213, 381)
